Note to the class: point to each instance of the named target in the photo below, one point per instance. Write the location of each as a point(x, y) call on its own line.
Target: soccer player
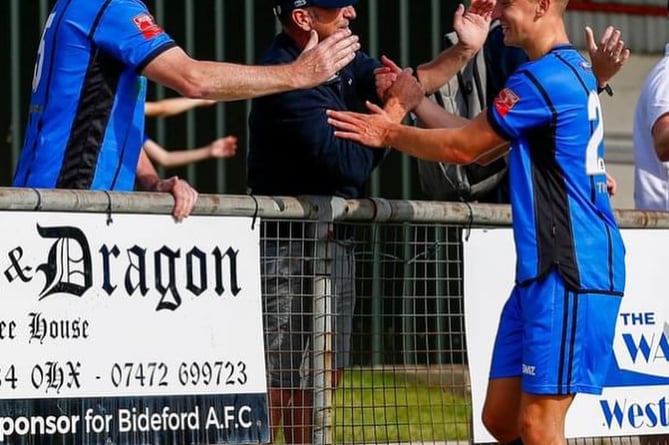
point(556, 330)
point(86, 118)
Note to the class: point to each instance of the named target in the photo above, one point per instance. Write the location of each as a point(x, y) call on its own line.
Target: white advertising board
point(162, 319)
point(635, 399)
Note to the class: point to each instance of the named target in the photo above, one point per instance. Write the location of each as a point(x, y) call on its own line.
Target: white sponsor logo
point(529, 370)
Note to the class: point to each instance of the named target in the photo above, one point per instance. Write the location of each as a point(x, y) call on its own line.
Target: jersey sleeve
point(519, 107)
point(130, 34)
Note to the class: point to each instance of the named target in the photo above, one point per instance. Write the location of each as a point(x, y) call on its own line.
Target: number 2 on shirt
point(594, 164)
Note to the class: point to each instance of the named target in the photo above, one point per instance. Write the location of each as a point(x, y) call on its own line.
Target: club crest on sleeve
point(505, 101)
point(147, 25)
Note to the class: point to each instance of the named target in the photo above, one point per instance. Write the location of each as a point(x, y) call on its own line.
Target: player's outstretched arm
point(228, 81)
point(462, 145)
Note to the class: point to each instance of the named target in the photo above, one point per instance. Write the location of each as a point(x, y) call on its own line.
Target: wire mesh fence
point(402, 350)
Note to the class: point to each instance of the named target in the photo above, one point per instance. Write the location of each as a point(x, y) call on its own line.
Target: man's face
point(517, 18)
point(326, 21)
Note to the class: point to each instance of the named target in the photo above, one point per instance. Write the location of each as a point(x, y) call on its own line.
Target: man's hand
point(320, 61)
point(385, 76)
point(223, 147)
point(472, 25)
point(609, 56)
point(611, 185)
point(185, 196)
point(366, 129)
point(406, 93)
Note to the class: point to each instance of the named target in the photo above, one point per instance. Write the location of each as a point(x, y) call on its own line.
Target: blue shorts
point(558, 341)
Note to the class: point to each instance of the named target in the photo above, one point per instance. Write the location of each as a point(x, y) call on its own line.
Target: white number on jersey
point(37, 75)
point(594, 165)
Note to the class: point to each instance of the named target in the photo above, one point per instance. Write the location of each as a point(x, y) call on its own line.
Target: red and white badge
point(505, 101)
point(147, 25)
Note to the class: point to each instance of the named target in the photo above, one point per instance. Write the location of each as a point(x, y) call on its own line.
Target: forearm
point(218, 80)
point(660, 133)
point(147, 176)
point(662, 147)
point(432, 115)
point(236, 82)
point(441, 69)
point(178, 158)
point(172, 106)
point(428, 144)
point(493, 155)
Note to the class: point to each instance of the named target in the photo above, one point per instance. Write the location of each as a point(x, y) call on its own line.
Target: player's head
point(323, 16)
point(525, 21)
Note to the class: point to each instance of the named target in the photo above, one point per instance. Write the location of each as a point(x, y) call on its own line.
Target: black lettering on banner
point(65, 263)
point(40, 328)
point(232, 258)
point(15, 270)
point(106, 269)
point(201, 257)
point(140, 266)
point(171, 256)
point(53, 376)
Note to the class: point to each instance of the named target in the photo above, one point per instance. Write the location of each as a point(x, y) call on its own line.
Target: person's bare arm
point(220, 148)
point(472, 28)
point(228, 81)
point(661, 137)
point(493, 154)
point(185, 196)
point(431, 115)
point(462, 145)
point(172, 106)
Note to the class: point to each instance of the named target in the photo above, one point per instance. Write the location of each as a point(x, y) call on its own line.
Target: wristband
point(606, 88)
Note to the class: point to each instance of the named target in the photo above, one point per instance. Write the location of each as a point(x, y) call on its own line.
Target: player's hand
point(366, 129)
point(406, 91)
point(608, 56)
point(611, 185)
point(223, 147)
point(320, 61)
point(385, 76)
point(185, 196)
point(472, 25)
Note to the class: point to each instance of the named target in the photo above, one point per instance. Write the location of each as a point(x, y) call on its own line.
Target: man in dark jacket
point(293, 151)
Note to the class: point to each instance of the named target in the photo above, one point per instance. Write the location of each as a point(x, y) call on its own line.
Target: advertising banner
point(138, 331)
point(636, 398)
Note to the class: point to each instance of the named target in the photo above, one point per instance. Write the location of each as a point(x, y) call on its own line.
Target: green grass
point(378, 406)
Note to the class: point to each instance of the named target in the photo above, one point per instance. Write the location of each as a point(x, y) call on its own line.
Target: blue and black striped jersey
point(86, 121)
point(562, 215)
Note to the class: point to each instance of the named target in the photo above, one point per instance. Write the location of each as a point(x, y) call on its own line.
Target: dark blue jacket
point(501, 61)
point(293, 150)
